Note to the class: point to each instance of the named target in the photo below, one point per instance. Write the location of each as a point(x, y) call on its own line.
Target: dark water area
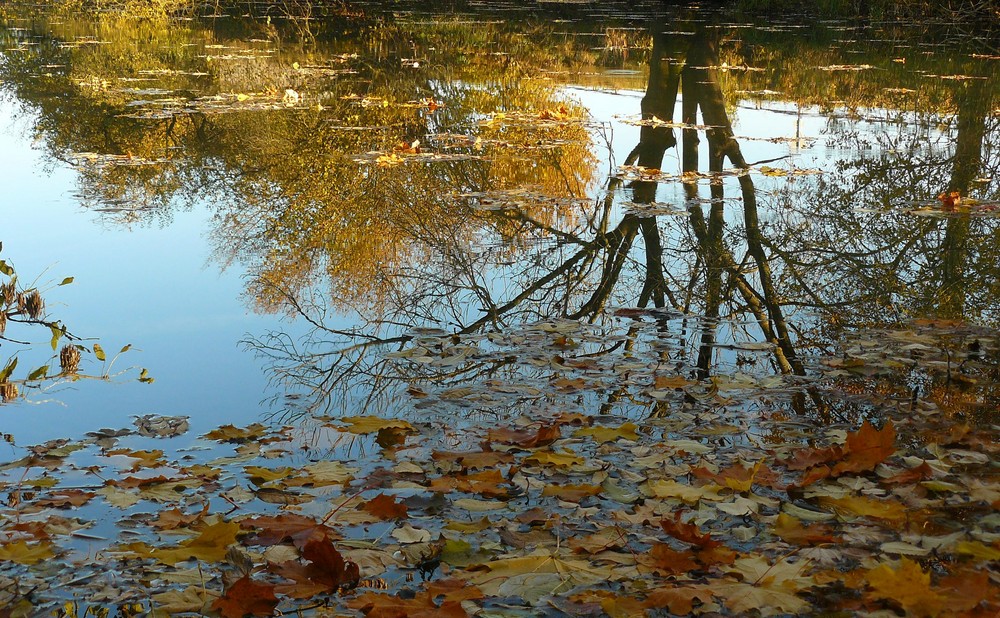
point(467, 215)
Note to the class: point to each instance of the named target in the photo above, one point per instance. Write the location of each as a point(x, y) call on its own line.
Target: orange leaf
point(210, 545)
point(244, 597)
point(967, 589)
point(667, 561)
point(917, 473)
point(792, 531)
point(175, 518)
point(453, 590)
point(866, 448)
point(622, 607)
point(385, 507)
point(572, 493)
point(805, 458)
point(545, 435)
point(689, 533)
point(678, 600)
point(486, 483)
point(422, 605)
point(814, 474)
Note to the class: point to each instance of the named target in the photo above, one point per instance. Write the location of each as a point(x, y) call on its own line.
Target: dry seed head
point(34, 305)
point(8, 293)
point(8, 391)
point(69, 358)
point(3, 321)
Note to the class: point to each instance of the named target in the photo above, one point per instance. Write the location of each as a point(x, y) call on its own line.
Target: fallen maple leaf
point(326, 572)
point(908, 585)
point(476, 460)
point(866, 448)
point(667, 561)
point(746, 598)
point(950, 201)
point(791, 530)
point(66, 498)
point(600, 433)
point(236, 435)
point(916, 473)
point(486, 483)
point(373, 424)
point(210, 545)
point(453, 590)
point(868, 507)
point(385, 507)
point(678, 600)
point(737, 477)
point(547, 434)
point(175, 518)
point(244, 597)
point(274, 529)
point(572, 493)
point(689, 533)
point(24, 553)
point(420, 606)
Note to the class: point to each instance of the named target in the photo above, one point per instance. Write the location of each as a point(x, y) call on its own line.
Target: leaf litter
point(884, 501)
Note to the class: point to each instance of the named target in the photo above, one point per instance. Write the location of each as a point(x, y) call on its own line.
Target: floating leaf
point(326, 571)
point(26, 553)
point(211, 545)
point(299, 529)
point(627, 431)
point(245, 597)
point(908, 585)
point(385, 507)
point(372, 424)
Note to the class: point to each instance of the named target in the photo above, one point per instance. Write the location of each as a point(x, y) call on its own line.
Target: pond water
point(485, 214)
point(214, 182)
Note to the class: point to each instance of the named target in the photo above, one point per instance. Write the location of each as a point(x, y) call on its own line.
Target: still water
point(266, 210)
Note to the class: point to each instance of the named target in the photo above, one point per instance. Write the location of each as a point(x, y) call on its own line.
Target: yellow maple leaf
point(609, 434)
point(210, 545)
point(908, 585)
point(866, 507)
point(22, 552)
point(553, 458)
point(661, 488)
point(372, 424)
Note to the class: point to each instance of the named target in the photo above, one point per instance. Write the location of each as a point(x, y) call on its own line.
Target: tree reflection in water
point(488, 267)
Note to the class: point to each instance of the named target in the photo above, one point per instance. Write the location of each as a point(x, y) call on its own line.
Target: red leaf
point(246, 597)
